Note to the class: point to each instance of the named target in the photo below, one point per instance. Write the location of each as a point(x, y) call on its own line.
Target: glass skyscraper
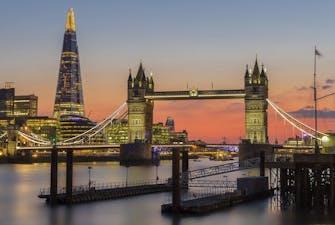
point(69, 93)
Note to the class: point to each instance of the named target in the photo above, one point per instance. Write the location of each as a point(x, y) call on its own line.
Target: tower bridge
point(141, 97)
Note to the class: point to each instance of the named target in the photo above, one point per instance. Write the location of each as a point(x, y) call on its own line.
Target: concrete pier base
point(135, 154)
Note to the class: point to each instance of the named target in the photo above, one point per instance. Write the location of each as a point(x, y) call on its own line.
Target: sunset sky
point(183, 43)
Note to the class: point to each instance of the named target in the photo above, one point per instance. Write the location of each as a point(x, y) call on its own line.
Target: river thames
point(20, 184)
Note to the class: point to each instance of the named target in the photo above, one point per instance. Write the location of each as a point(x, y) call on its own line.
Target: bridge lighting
point(53, 140)
point(325, 139)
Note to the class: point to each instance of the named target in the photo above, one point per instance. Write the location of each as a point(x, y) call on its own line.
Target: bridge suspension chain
point(3, 135)
point(290, 119)
point(103, 124)
point(79, 138)
point(33, 139)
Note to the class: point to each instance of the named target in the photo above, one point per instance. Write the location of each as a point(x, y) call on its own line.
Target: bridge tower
point(256, 106)
point(140, 118)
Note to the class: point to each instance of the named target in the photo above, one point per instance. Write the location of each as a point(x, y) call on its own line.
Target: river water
point(20, 184)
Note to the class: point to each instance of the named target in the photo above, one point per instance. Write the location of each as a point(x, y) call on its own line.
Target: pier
point(215, 202)
point(88, 193)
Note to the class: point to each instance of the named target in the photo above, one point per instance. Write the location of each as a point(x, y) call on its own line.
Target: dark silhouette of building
point(69, 93)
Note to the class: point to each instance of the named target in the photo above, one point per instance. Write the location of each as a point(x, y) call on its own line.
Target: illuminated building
point(7, 95)
point(140, 110)
point(25, 105)
point(16, 106)
point(256, 116)
point(42, 126)
point(69, 93)
point(117, 133)
point(73, 125)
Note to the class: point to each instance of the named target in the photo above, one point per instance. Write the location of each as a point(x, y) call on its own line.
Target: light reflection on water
point(20, 184)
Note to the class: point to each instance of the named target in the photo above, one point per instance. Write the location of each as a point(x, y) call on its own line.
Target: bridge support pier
point(184, 168)
point(262, 164)
point(175, 180)
point(135, 154)
point(53, 175)
point(69, 175)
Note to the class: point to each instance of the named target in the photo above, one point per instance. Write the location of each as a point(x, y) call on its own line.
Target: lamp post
point(157, 178)
point(127, 175)
point(89, 177)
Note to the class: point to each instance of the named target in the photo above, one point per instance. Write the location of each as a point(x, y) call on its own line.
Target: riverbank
point(76, 158)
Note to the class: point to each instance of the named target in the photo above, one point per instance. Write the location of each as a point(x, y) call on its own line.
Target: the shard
point(69, 94)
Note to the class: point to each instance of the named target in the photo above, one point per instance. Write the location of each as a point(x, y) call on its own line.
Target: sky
point(184, 44)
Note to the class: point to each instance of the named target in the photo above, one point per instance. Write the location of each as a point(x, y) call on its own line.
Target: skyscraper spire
point(70, 22)
point(69, 92)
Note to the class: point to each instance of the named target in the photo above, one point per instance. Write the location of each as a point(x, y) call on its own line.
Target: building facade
point(7, 96)
point(25, 106)
point(12, 105)
point(69, 92)
point(117, 133)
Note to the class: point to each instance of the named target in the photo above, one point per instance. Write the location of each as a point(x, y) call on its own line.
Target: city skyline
point(192, 51)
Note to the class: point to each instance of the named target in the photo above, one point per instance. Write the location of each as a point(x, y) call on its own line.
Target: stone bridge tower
point(140, 118)
point(256, 106)
point(140, 110)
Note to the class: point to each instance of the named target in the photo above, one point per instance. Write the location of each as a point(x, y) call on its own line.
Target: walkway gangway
point(224, 168)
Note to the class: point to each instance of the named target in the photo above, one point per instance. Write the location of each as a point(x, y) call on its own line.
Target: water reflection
point(19, 205)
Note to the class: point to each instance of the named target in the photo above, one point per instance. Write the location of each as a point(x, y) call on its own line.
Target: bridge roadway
point(104, 146)
point(196, 94)
point(98, 146)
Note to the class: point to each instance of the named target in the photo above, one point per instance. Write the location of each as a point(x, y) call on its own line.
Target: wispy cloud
point(330, 81)
point(326, 87)
point(308, 112)
point(303, 88)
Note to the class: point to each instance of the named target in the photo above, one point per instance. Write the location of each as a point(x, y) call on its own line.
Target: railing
point(231, 185)
point(279, 157)
point(209, 194)
point(105, 186)
point(225, 168)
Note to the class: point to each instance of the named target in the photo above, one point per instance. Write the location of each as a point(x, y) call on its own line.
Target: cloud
point(330, 81)
point(326, 87)
point(308, 112)
point(303, 88)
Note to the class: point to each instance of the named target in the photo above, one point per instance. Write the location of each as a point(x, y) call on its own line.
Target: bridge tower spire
point(256, 119)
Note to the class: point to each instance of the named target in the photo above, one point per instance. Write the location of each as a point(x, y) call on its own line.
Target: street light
point(325, 139)
point(127, 175)
point(89, 177)
point(157, 178)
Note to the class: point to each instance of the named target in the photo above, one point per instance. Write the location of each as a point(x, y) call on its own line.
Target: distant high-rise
point(170, 123)
point(69, 93)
